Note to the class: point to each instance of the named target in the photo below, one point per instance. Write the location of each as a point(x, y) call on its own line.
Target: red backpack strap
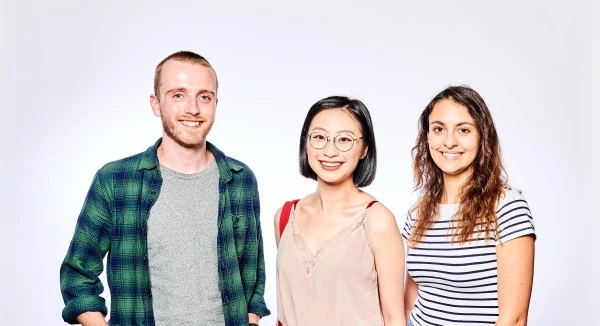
point(284, 217)
point(285, 214)
point(371, 203)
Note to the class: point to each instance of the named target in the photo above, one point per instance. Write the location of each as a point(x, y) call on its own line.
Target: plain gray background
point(75, 81)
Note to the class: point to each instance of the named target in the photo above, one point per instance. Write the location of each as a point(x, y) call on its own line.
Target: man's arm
point(79, 273)
point(253, 318)
point(92, 318)
point(257, 307)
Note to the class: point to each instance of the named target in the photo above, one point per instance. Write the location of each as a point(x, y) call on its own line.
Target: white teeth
point(451, 155)
point(330, 164)
point(191, 123)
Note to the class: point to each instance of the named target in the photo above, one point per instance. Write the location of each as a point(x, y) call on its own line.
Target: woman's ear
point(364, 152)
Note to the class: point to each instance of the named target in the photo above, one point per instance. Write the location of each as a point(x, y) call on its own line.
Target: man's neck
point(181, 159)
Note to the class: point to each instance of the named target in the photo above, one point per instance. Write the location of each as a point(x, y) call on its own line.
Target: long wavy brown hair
point(479, 196)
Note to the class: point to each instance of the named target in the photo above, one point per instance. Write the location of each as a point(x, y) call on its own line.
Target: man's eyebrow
point(181, 89)
point(202, 91)
point(173, 90)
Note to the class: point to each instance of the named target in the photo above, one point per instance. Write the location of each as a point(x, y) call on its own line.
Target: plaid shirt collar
point(149, 160)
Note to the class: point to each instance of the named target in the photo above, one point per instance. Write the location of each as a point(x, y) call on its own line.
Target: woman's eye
point(344, 139)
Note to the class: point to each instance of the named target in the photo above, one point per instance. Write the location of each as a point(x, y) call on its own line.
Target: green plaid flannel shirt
point(113, 222)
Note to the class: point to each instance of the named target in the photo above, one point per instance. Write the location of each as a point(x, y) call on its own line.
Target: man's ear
point(155, 104)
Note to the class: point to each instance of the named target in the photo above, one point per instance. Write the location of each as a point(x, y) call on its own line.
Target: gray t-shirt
point(182, 249)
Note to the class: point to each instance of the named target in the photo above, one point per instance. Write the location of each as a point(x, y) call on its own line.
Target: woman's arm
point(410, 295)
point(515, 279)
point(389, 261)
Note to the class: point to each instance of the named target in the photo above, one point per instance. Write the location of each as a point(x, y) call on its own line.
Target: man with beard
point(179, 223)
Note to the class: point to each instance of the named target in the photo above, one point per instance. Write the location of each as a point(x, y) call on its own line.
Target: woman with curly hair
point(470, 236)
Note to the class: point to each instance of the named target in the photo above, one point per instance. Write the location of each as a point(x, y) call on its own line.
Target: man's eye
point(178, 96)
point(205, 98)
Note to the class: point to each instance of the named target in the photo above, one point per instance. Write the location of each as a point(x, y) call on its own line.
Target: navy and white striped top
point(458, 282)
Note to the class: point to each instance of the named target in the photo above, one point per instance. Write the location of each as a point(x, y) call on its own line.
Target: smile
point(451, 156)
point(190, 123)
point(331, 164)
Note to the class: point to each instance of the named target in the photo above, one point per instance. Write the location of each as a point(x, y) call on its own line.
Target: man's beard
point(194, 141)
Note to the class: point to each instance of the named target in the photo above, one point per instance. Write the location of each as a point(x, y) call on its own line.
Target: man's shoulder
point(238, 165)
point(123, 164)
point(234, 165)
point(130, 163)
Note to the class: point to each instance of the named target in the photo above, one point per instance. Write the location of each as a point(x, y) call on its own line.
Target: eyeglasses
point(343, 142)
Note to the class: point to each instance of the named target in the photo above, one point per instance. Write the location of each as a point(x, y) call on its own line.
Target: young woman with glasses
point(340, 258)
point(470, 236)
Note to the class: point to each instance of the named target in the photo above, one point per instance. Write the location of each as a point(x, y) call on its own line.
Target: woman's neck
point(337, 196)
point(452, 188)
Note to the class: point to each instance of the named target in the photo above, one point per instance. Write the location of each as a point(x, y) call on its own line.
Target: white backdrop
point(75, 80)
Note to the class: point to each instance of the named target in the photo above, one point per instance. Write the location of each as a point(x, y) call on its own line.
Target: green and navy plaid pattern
point(113, 222)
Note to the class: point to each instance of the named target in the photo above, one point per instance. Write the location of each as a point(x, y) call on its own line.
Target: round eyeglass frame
point(328, 138)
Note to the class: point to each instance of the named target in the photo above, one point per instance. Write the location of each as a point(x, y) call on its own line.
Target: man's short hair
point(183, 56)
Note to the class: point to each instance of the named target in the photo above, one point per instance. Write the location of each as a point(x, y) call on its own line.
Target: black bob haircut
point(364, 174)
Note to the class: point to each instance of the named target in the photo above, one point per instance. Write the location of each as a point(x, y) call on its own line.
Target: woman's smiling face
point(329, 163)
point(453, 138)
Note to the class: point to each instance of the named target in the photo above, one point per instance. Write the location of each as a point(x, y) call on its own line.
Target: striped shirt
point(458, 282)
point(113, 223)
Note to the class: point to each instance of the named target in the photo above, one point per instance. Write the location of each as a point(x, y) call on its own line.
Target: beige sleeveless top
point(337, 285)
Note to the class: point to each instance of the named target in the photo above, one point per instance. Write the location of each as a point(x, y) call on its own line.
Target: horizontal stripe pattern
point(458, 282)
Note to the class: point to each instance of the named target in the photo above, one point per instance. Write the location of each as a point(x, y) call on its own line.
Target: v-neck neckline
point(310, 256)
